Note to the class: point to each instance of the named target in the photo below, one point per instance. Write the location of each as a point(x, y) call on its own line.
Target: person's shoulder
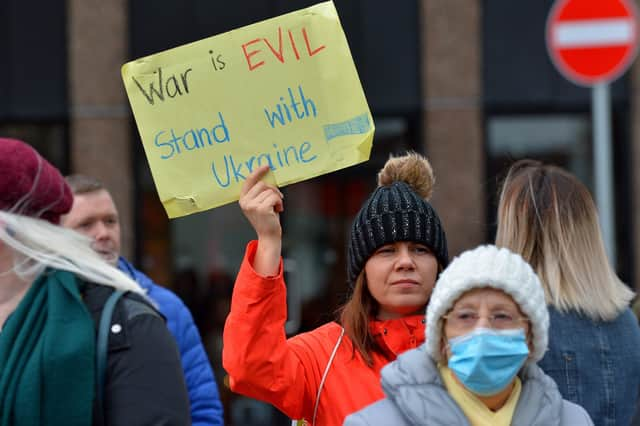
point(382, 412)
point(330, 331)
point(95, 297)
point(164, 297)
point(574, 415)
point(134, 304)
point(629, 319)
point(320, 341)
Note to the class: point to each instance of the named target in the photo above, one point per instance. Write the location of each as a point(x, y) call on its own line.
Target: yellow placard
point(283, 92)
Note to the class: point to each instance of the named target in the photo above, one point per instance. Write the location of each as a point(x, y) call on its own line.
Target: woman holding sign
point(396, 249)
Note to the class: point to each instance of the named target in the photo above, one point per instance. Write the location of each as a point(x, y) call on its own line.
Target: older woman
point(486, 328)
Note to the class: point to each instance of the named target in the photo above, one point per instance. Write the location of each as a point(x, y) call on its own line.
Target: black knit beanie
point(394, 213)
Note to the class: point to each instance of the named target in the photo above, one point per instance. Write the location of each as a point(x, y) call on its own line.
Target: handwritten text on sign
point(283, 92)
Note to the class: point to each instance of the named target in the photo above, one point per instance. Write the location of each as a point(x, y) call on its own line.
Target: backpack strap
point(102, 344)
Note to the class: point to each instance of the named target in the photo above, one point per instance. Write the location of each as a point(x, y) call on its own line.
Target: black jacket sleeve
point(144, 383)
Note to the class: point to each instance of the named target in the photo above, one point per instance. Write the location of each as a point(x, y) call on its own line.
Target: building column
point(99, 121)
point(451, 39)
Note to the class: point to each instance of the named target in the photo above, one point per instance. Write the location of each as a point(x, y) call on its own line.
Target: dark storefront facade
point(468, 83)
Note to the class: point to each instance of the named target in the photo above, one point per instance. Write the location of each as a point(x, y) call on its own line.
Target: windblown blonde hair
point(548, 216)
point(38, 244)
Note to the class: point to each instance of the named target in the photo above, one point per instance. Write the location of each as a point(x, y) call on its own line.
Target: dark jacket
point(144, 382)
point(206, 408)
point(596, 364)
point(416, 395)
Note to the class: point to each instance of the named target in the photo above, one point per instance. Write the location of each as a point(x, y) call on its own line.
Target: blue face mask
point(486, 361)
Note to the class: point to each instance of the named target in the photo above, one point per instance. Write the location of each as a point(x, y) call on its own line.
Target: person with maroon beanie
point(53, 288)
point(29, 185)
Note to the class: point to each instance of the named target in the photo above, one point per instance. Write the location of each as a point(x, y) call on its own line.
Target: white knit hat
point(493, 267)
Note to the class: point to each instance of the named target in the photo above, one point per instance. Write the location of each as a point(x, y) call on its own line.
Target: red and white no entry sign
point(592, 41)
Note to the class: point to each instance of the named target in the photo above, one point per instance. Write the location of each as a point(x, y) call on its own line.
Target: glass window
point(560, 139)
point(50, 140)
point(564, 140)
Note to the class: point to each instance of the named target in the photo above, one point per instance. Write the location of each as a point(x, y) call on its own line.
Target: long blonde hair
point(548, 216)
point(38, 244)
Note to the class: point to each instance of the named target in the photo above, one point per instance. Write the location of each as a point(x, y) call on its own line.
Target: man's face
point(94, 214)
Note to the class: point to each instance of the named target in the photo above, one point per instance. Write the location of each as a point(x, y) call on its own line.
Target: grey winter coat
point(416, 396)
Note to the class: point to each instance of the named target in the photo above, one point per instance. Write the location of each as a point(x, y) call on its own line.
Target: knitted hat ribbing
point(29, 184)
point(489, 266)
point(394, 213)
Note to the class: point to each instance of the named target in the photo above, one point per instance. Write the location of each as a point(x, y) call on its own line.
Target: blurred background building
point(467, 82)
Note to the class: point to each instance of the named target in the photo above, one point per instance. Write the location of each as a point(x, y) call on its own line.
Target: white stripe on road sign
point(595, 32)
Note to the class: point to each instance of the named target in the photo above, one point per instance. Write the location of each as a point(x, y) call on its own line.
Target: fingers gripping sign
point(261, 203)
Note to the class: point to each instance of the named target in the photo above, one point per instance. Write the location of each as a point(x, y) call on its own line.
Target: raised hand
point(262, 204)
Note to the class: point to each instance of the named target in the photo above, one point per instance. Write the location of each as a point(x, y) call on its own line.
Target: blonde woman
point(546, 215)
point(53, 289)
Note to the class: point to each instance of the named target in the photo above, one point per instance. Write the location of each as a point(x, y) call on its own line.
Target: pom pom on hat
point(491, 267)
point(30, 185)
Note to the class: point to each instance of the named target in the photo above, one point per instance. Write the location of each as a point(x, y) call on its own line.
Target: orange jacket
point(263, 364)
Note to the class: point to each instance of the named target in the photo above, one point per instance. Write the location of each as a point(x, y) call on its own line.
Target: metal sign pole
point(603, 171)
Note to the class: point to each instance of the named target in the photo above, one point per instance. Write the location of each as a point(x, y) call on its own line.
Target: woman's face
point(400, 277)
point(493, 309)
